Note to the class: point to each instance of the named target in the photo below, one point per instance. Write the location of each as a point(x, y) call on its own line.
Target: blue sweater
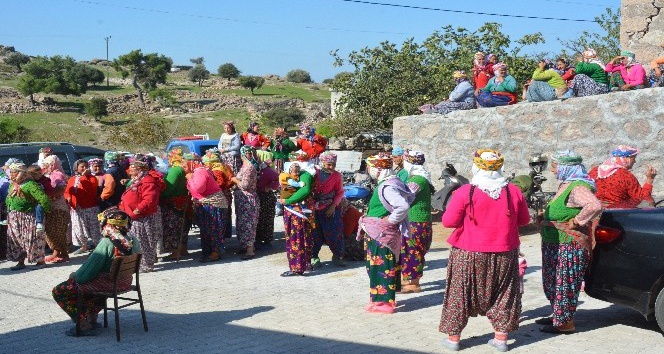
point(463, 92)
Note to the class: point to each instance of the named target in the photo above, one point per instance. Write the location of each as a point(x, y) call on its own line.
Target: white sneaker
point(40, 227)
point(3, 222)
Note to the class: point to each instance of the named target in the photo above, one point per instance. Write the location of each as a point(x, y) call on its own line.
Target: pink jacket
point(202, 183)
point(636, 75)
point(332, 186)
point(487, 227)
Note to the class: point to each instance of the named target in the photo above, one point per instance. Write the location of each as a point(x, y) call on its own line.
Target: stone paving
point(235, 306)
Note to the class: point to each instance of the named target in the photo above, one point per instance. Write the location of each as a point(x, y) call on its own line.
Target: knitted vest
point(420, 210)
point(557, 210)
point(376, 208)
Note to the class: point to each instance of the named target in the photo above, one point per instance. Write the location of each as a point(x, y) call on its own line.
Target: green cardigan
point(33, 194)
point(100, 260)
point(303, 192)
point(287, 147)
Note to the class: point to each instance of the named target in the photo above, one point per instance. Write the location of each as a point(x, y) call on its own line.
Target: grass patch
point(286, 91)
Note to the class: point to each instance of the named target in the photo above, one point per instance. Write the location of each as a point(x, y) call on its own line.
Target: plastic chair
point(122, 267)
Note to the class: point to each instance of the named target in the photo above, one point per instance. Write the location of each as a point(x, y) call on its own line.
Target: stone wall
point(642, 28)
point(592, 126)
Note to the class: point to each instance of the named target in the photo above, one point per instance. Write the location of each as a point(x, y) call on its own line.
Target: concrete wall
point(592, 126)
point(642, 28)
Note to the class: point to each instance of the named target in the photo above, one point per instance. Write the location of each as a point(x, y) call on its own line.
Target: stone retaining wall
point(592, 126)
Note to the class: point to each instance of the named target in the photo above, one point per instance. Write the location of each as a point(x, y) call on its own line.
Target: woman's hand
point(572, 224)
point(330, 210)
point(124, 181)
point(281, 201)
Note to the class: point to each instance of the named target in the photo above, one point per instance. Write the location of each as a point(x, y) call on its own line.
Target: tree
point(11, 131)
point(97, 107)
point(298, 76)
point(164, 97)
point(85, 74)
point(147, 70)
point(228, 71)
point(199, 74)
point(197, 61)
point(57, 74)
point(607, 45)
point(283, 117)
point(390, 81)
point(252, 82)
point(17, 59)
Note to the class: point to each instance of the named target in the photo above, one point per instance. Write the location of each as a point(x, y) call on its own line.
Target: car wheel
point(659, 310)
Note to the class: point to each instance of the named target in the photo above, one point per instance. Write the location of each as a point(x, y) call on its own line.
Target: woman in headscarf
point(281, 147)
point(224, 176)
point(500, 90)
point(625, 73)
point(252, 137)
point(81, 196)
point(462, 97)
point(23, 240)
point(417, 242)
point(246, 201)
point(311, 143)
point(112, 188)
point(210, 202)
point(482, 270)
point(483, 69)
point(546, 84)
point(298, 224)
point(617, 187)
point(173, 202)
point(229, 147)
point(141, 202)
point(93, 275)
point(267, 183)
point(97, 170)
point(381, 230)
point(567, 240)
point(590, 78)
point(57, 218)
point(328, 192)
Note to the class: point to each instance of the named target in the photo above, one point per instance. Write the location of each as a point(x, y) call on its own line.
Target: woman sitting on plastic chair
point(93, 275)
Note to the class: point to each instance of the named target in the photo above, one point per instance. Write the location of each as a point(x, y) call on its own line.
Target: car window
point(4, 159)
point(66, 164)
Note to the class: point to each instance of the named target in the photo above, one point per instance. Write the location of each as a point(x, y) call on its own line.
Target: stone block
point(637, 129)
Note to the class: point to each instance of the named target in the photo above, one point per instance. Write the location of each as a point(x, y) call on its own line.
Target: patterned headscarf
point(328, 157)
point(210, 157)
point(141, 161)
point(115, 224)
point(230, 124)
point(397, 150)
point(488, 172)
point(631, 57)
point(459, 76)
point(478, 59)
point(250, 130)
point(620, 158)
point(22, 175)
point(12, 160)
point(54, 163)
point(307, 132)
point(18, 167)
point(488, 160)
point(175, 157)
point(46, 150)
point(498, 66)
point(96, 162)
point(414, 157)
point(570, 168)
point(413, 162)
point(191, 161)
point(111, 158)
point(590, 56)
point(247, 149)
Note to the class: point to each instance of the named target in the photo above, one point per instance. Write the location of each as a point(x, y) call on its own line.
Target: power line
point(465, 12)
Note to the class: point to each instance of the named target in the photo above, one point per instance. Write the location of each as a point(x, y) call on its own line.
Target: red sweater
point(142, 196)
point(85, 196)
point(315, 148)
point(621, 189)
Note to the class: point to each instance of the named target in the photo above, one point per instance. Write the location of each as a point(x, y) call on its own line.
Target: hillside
point(196, 110)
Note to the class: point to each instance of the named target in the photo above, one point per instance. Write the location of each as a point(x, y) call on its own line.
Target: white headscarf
point(490, 182)
point(416, 170)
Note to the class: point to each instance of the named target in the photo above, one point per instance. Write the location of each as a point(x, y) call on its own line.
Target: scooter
point(452, 181)
point(531, 185)
point(357, 189)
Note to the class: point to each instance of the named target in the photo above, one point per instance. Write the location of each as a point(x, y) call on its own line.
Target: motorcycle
point(451, 182)
point(531, 185)
point(357, 189)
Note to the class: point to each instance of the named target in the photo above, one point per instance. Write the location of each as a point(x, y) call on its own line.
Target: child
point(290, 183)
point(37, 176)
point(523, 265)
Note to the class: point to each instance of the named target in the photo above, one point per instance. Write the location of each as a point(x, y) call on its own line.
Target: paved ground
point(237, 306)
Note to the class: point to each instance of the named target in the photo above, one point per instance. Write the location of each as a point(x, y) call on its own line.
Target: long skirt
point(66, 295)
point(449, 106)
point(234, 161)
point(299, 242)
point(656, 82)
point(246, 217)
point(173, 228)
point(540, 91)
point(84, 225)
point(265, 227)
point(55, 227)
point(414, 248)
point(485, 284)
point(384, 271)
point(487, 99)
point(211, 222)
point(23, 240)
point(583, 85)
point(228, 228)
point(563, 268)
point(279, 165)
point(330, 231)
point(148, 231)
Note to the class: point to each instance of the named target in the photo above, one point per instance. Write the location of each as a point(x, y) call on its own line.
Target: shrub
point(228, 71)
point(145, 132)
point(283, 117)
point(326, 128)
point(97, 107)
point(11, 131)
point(298, 76)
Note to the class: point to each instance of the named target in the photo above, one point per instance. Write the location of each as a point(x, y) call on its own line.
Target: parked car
point(628, 261)
point(197, 143)
point(68, 153)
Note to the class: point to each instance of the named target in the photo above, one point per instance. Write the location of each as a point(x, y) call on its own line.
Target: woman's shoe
point(557, 330)
point(18, 267)
point(545, 321)
point(40, 265)
point(501, 347)
point(451, 346)
point(410, 288)
point(290, 273)
point(84, 332)
point(381, 308)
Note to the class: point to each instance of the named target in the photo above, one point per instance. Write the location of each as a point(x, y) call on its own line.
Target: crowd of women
point(491, 85)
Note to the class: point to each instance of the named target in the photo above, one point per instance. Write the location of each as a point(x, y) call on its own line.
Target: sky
point(262, 37)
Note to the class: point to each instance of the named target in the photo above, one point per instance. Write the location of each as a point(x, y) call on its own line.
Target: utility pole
point(107, 63)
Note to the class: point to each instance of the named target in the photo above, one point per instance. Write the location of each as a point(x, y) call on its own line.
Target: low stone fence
point(592, 126)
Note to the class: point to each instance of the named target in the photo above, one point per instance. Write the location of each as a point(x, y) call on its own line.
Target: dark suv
point(68, 153)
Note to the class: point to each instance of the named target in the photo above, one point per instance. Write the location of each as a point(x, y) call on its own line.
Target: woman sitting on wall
point(462, 97)
point(546, 85)
point(625, 73)
point(500, 91)
point(590, 78)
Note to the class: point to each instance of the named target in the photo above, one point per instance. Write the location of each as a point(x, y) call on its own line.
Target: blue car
point(197, 144)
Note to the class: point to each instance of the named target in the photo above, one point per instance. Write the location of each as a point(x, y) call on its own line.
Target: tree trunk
point(31, 99)
point(139, 90)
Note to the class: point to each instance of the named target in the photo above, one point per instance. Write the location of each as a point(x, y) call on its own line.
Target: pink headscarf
point(620, 158)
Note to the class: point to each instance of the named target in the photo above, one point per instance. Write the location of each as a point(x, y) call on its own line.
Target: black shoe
point(242, 251)
point(545, 321)
point(290, 273)
point(555, 330)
